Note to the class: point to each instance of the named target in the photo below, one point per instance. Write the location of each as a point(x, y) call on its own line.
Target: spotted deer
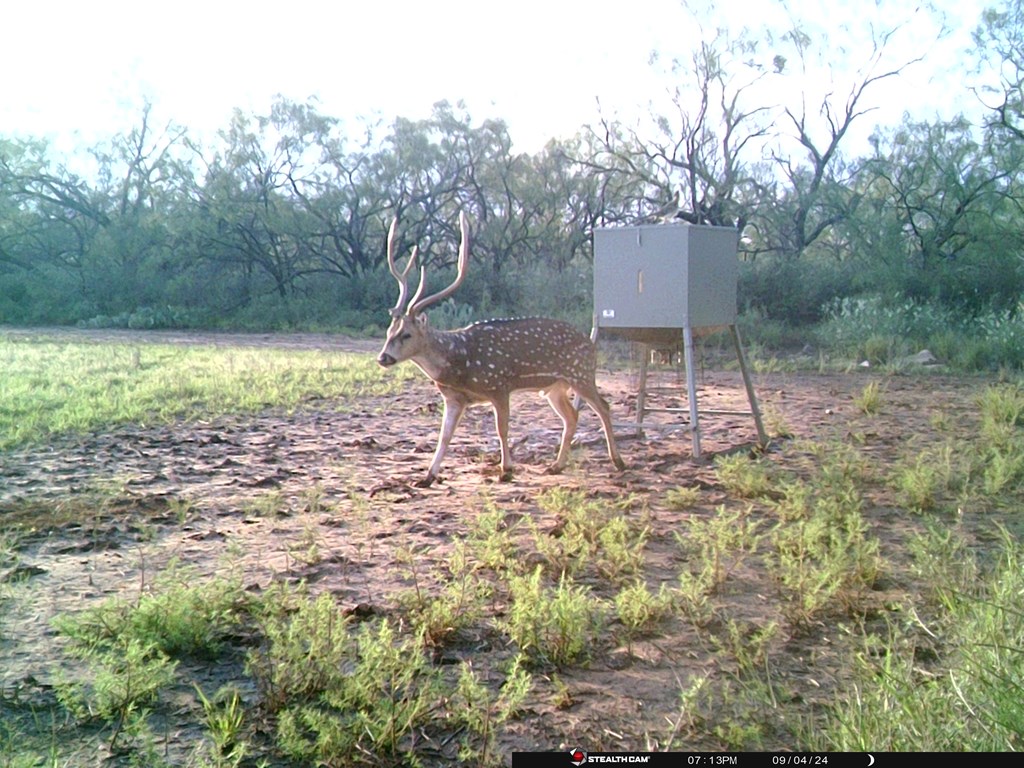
point(488, 360)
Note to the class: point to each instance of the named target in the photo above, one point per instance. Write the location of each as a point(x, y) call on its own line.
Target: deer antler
point(418, 304)
point(403, 276)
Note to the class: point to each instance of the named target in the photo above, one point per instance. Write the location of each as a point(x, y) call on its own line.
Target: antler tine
point(423, 280)
point(421, 304)
point(403, 276)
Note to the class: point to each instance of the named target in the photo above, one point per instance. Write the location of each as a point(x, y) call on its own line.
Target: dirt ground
point(363, 457)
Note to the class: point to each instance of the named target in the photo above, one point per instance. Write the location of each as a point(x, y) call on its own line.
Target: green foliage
point(552, 625)
point(124, 680)
point(491, 541)
point(224, 718)
point(870, 399)
point(789, 291)
point(747, 643)
point(976, 703)
point(459, 603)
point(244, 234)
point(621, 549)
point(281, 221)
point(374, 703)
point(308, 650)
point(922, 480)
point(51, 388)
point(1002, 414)
point(8, 557)
point(589, 534)
point(695, 589)
point(744, 476)
point(722, 541)
point(483, 712)
point(883, 331)
point(1001, 449)
point(449, 314)
point(640, 610)
point(179, 617)
point(945, 561)
point(682, 497)
point(340, 690)
point(130, 650)
point(821, 552)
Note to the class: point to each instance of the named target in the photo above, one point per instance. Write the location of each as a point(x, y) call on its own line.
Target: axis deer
point(488, 360)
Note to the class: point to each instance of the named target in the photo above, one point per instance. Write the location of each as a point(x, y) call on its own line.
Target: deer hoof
point(554, 469)
point(426, 482)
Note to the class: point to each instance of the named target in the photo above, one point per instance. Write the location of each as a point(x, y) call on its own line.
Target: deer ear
point(421, 320)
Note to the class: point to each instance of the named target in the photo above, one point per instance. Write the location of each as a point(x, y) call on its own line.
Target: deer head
point(409, 330)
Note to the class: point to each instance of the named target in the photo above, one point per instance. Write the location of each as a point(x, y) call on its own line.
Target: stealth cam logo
point(577, 756)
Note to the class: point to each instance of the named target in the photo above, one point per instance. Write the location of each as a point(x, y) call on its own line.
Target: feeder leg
point(762, 436)
point(691, 388)
point(641, 395)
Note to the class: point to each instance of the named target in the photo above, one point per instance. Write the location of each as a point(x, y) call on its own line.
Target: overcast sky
point(76, 72)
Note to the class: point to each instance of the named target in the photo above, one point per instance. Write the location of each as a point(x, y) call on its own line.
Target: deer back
point(522, 353)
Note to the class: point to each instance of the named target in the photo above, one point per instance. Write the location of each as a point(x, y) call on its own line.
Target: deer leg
point(453, 410)
point(604, 412)
point(501, 414)
point(558, 397)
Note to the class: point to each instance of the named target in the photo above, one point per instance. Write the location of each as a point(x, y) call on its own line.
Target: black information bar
point(580, 757)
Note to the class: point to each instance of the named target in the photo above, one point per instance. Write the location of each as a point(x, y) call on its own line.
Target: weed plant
point(744, 476)
point(123, 681)
point(972, 699)
point(552, 625)
point(177, 617)
point(130, 648)
point(747, 643)
point(373, 706)
point(484, 712)
point(682, 497)
point(224, 718)
point(870, 400)
point(589, 534)
point(694, 600)
point(823, 560)
point(491, 541)
point(307, 650)
point(459, 603)
point(1001, 453)
point(923, 480)
point(640, 610)
point(720, 543)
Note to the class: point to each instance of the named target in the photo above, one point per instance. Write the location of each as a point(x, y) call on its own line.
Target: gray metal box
point(665, 276)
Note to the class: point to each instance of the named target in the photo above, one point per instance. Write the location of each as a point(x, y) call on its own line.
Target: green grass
point(970, 697)
point(49, 388)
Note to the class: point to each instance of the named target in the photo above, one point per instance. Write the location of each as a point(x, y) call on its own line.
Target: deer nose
point(385, 360)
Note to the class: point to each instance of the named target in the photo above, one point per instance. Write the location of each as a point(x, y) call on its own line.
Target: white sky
point(77, 72)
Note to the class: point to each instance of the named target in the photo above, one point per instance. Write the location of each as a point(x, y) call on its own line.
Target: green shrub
point(553, 625)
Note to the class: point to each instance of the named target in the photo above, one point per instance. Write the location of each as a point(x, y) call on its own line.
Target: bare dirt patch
point(98, 514)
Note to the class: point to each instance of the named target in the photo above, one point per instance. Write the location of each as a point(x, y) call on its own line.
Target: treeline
point(282, 222)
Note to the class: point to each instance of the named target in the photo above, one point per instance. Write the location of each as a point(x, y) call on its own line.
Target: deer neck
point(439, 354)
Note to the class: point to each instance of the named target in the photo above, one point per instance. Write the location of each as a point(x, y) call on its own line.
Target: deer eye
point(405, 337)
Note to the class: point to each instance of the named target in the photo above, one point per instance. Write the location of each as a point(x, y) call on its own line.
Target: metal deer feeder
point(653, 283)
